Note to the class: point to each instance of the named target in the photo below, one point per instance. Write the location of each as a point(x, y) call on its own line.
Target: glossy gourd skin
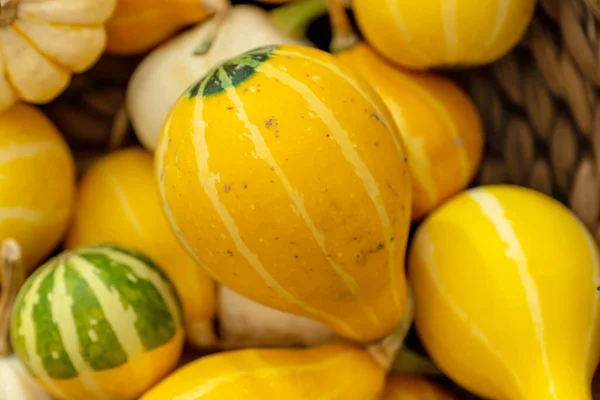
point(44, 42)
point(505, 280)
point(440, 125)
point(37, 182)
point(443, 33)
point(137, 26)
point(117, 202)
point(100, 322)
point(334, 371)
point(412, 387)
point(289, 184)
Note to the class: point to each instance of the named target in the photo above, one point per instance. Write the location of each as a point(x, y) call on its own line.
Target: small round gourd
point(505, 281)
point(443, 33)
point(37, 182)
point(289, 163)
point(98, 322)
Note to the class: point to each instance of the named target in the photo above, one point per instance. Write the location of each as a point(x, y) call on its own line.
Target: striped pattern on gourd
point(283, 174)
point(98, 322)
point(442, 33)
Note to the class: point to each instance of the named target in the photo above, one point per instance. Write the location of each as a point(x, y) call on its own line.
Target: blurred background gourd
point(44, 42)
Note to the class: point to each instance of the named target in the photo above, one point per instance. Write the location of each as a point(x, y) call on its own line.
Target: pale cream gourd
point(244, 323)
point(170, 69)
point(44, 42)
point(15, 383)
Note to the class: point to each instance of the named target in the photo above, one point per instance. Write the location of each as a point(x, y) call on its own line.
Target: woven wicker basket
point(540, 107)
point(541, 111)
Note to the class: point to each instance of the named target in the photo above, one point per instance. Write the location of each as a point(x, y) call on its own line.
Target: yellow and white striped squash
point(44, 42)
point(100, 322)
point(282, 175)
point(117, 202)
point(37, 182)
point(443, 33)
point(505, 281)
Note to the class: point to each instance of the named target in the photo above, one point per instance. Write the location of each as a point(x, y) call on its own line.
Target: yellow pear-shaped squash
point(118, 202)
point(283, 174)
point(505, 281)
point(44, 42)
point(332, 371)
point(37, 182)
point(443, 33)
point(412, 387)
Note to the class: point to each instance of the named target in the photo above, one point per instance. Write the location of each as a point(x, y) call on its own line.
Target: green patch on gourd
point(50, 346)
point(231, 73)
point(154, 323)
point(94, 333)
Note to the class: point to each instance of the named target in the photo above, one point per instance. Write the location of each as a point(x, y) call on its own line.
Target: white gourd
point(244, 323)
point(166, 72)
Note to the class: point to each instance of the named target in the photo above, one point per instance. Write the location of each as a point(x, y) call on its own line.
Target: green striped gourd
point(99, 322)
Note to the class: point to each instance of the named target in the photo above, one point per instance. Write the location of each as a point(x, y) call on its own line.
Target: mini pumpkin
point(44, 42)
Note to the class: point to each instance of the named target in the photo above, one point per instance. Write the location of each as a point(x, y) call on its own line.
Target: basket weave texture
point(541, 108)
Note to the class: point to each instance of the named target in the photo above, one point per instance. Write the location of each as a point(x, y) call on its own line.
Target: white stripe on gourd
point(341, 136)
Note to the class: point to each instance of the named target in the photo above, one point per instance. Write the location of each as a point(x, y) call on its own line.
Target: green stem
point(221, 11)
point(13, 276)
point(294, 18)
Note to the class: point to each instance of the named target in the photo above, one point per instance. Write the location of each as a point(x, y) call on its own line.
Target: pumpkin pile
point(292, 221)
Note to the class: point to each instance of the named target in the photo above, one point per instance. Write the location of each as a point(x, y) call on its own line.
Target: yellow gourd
point(505, 281)
point(282, 172)
point(118, 203)
point(443, 33)
point(333, 371)
point(139, 25)
point(37, 182)
point(44, 42)
point(440, 124)
point(412, 387)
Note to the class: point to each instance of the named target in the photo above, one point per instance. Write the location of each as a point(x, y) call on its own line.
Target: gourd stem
point(293, 18)
point(13, 276)
point(221, 10)
point(344, 36)
point(386, 350)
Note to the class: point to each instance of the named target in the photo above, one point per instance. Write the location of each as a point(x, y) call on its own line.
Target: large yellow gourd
point(282, 172)
point(505, 283)
point(443, 33)
point(333, 371)
point(44, 42)
point(118, 203)
point(37, 182)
